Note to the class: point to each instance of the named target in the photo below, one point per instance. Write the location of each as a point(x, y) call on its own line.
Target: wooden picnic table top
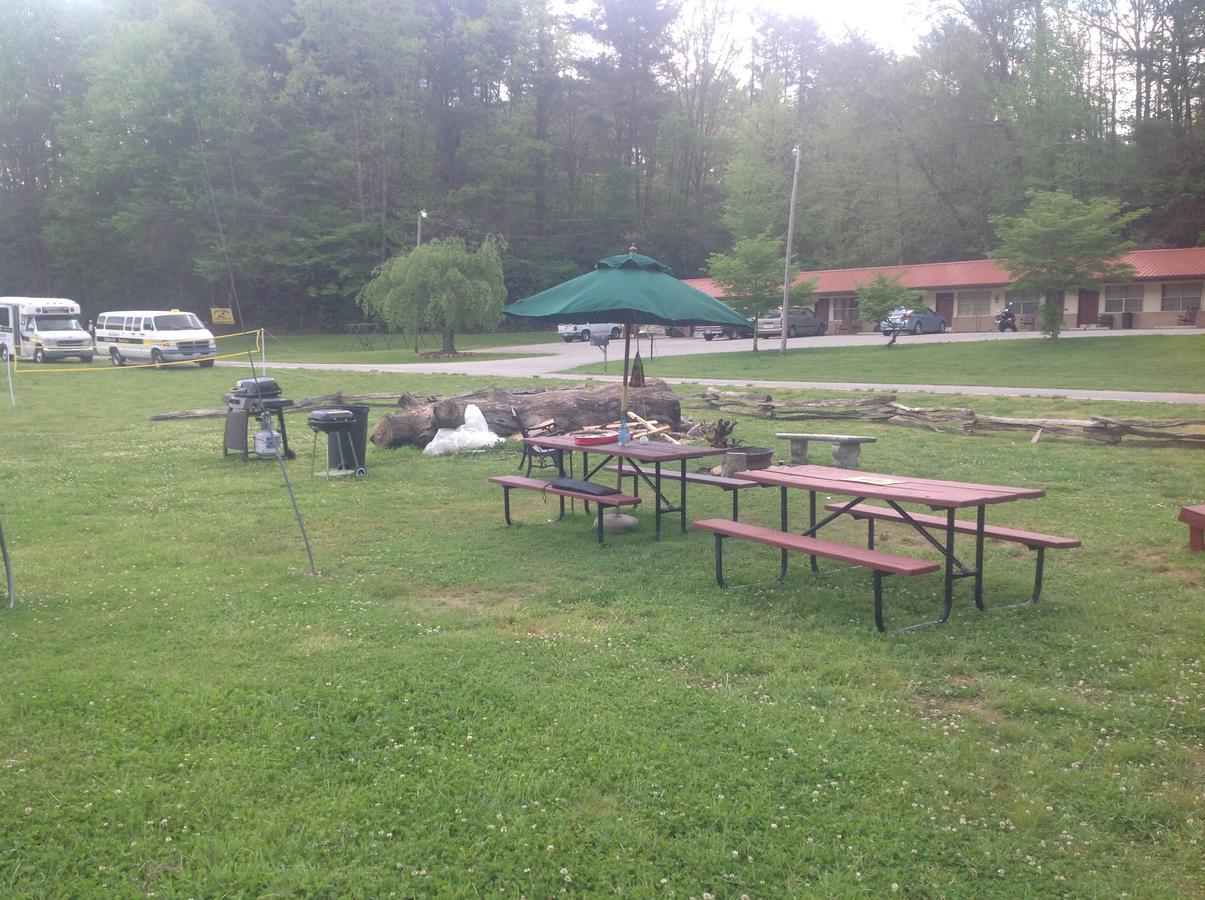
point(932, 492)
point(653, 451)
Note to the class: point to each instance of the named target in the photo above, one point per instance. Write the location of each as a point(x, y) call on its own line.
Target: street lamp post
point(786, 278)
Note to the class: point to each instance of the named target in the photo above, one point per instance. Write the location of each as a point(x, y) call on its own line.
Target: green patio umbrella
point(630, 288)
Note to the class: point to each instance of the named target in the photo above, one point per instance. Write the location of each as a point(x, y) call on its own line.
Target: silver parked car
point(911, 321)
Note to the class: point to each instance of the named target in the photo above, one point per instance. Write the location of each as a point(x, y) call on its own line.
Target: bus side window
point(4, 320)
point(148, 324)
point(129, 323)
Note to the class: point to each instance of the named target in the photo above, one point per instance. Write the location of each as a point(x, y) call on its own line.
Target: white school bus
point(42, 329)
point(155, 336)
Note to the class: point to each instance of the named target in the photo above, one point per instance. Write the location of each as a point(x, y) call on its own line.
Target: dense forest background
point(314, 132)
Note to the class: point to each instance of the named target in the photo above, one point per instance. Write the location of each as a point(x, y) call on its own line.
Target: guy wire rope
point(8, 569)
point(238, 309)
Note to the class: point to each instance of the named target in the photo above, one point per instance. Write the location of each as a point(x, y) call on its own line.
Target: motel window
point(1123, 298)
point(1180, 296)
point(843, 308)
point(974, 303)
point(1025, 303)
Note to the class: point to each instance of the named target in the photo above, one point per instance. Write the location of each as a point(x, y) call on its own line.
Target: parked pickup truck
point(711, 332)
point(582, 333)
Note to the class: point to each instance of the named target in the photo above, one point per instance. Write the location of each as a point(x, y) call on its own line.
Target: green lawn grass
point(457, 708)
point(1142, 363)
point(342, 348)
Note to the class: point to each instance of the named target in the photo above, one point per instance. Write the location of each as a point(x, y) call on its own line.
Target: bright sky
point(891, 24)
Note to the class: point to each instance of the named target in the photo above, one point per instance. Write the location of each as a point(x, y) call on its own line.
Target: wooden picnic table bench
point(733, 485)
point(522, 482)
point(1194, 518)
point(879, 562)
point(1031, 539)
point(846, 447)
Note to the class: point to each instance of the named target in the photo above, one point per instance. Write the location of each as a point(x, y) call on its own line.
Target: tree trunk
point(572, 409)
point(449, 337)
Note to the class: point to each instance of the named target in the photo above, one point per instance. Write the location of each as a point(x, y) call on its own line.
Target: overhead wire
point(266, 418)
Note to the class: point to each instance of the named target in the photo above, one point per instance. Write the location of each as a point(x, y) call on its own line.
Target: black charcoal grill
point(254, 399)
point(345, 431)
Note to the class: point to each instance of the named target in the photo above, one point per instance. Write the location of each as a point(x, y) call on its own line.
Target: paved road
point(551, 361)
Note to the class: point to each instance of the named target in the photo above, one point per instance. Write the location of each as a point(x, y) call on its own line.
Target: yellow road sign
point(221, 315)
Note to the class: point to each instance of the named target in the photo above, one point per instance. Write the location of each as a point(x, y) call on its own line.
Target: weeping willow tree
point(442, 284)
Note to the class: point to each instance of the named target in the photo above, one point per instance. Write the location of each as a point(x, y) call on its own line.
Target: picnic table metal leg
point(682, 496)
point(719, 560)
point(1037, 583)
point(782, 499)
point(736, 508)
point(878, 600)
point(506, 504)
point(601, 509)
point(812, 524)
point(980, 520)
point(949, 601)
point(657, 491)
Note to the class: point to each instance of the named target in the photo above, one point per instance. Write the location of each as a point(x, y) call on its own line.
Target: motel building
point(1165, 293)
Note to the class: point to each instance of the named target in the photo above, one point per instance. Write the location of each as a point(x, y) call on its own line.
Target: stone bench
point(846, 447)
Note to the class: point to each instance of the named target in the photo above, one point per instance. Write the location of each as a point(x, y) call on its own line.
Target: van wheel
point(157, 358)
point(115, 357)
point(86, 357)
point(790, 331)
point(39, 355)
point(615, 333)
point(709, 336)
point(584, 335)
point(3, 352)
point(205, 363)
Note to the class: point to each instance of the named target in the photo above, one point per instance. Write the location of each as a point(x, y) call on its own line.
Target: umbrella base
point(617, 523)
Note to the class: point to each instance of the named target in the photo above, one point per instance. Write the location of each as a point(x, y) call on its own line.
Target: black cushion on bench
point(584, 487)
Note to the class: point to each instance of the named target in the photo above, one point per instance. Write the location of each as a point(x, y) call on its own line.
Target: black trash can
point(345, 449)
point(1105, 320)
point(1127, 320)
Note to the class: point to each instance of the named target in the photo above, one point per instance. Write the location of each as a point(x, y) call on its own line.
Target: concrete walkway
point(552, 359)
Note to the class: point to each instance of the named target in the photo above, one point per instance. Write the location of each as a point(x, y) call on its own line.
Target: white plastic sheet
point(474, 434)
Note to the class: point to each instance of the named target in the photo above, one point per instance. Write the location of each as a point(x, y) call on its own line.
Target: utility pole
point(422, 214)
point(786, 278)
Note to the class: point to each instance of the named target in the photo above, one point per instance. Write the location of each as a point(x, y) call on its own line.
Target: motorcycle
point(1006, 319)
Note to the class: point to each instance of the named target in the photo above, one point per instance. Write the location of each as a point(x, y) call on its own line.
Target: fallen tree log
point(572, 409)
point(306, 405)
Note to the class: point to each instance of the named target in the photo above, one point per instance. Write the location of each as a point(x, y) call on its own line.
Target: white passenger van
point(42, 329)
point(154, 336)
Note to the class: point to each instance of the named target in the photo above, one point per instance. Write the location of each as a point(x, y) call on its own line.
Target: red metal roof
point(1151, 264)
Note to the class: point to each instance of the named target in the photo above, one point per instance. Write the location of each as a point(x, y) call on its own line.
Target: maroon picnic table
point(641, 457)
point(937, 494)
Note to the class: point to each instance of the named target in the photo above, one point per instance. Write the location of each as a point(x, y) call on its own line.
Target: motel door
point(1089, 307)
point(821, 310)
point(945, 307)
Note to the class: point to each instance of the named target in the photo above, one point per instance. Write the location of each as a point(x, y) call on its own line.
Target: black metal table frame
point(663, 504)
point(954, 567)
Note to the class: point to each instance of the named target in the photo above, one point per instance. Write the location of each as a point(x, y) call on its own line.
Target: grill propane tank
point(267, 442)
